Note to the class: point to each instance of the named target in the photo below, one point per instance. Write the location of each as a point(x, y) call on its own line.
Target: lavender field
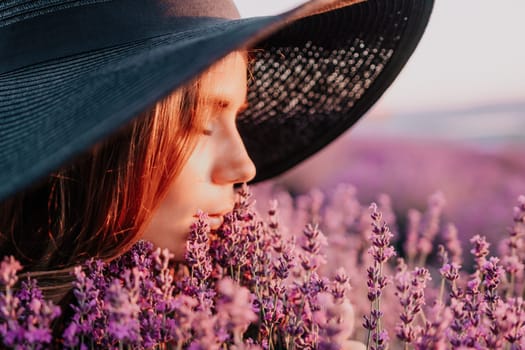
point(381, 242)
point(456, 218)
point(478, 184)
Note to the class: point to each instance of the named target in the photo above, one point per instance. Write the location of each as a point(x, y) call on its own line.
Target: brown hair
point(97, 206)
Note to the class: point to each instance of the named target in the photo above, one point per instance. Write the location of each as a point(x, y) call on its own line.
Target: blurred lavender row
point(478, 180)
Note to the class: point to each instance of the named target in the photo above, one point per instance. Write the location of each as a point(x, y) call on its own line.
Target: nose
point(235, 165)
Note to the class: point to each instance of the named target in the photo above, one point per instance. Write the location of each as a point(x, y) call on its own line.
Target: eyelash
point(222, 106)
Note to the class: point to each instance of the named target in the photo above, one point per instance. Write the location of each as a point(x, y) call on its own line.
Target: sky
point(473, 53)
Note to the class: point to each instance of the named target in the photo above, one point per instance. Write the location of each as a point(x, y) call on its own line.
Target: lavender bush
point(281, 283)
point(480, 184)
point(429, 288)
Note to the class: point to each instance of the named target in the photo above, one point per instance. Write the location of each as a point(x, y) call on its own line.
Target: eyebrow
point(225, 103)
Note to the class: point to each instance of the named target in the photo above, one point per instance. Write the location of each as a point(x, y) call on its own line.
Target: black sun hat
point(74, 71)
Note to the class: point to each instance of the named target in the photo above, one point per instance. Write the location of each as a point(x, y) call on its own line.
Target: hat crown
point(14, 11)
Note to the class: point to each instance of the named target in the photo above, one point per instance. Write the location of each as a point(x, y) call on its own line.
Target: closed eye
point(218, 106)
point(224, 104)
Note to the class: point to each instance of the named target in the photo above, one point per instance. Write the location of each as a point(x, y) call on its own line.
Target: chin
point(179, 256)
point(179, 252)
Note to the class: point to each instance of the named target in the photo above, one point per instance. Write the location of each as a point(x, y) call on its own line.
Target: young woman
point(120, 120)
point(148, 181)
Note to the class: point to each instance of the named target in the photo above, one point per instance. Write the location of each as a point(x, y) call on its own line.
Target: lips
point(216, 219)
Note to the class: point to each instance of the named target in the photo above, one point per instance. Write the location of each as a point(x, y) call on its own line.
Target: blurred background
point(453, 121)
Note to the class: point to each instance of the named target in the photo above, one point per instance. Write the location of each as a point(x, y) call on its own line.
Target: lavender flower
point(453, 244)
point(235, 309)
point(480, 249)
point(513, 252)
point(335, 319)
point(197, 248)
point(412, 235)
point(492, 273)
point(450, 271)
point(341, 284)
point(432, 334)
point(404, 331)
point(25, 316)
point(313, 240)
point(87, 311)
point(121, 305)
point(381, 251)
point(516, 318)
point(37, 315)
point(9, 267)
point(410, 289)
point(519, 210)
point(431, 228)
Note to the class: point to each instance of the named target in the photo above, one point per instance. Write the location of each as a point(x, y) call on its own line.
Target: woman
point(148, 181)
point(111, 132)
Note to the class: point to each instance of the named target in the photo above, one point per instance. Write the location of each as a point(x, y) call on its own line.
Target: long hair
point(98, 205)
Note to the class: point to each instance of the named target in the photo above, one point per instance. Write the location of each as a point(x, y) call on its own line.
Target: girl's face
point(218, 161)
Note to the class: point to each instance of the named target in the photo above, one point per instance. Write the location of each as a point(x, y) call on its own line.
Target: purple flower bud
point(197, 248)
point(235, 307)
point(9, 267)
point(412, 235)
point(121, 305)
point(450, 271)
point(481, 246)
point(453, 243)
point(519, 211)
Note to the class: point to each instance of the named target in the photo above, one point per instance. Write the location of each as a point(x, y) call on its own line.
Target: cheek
point(170, 222)
point(182, 199)
point(198, 166)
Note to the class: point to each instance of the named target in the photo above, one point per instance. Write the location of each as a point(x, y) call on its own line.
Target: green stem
point(510, 290)
point(378, 327)
point(422, 260)
point(378, 308)
point(441, 290)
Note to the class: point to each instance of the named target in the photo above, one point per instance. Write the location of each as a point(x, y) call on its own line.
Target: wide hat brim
point(313, 78)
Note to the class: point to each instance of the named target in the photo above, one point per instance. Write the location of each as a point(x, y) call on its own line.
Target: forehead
point(227, 78)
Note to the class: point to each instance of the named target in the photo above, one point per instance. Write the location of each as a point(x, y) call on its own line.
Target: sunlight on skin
point(218, 161)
